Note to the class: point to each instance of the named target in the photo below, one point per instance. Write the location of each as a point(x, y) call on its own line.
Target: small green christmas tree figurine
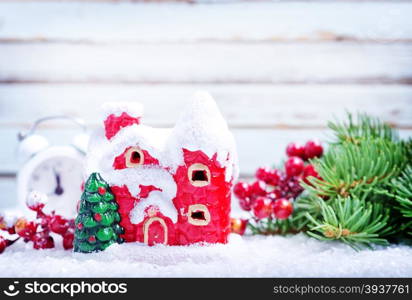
point(97, 225)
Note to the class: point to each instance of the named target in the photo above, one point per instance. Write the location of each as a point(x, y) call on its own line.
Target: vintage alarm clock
point(54, 170)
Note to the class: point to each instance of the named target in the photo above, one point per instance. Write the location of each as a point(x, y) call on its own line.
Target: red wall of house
point(215, 196)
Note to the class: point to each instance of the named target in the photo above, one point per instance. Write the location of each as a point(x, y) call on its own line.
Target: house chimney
point(118, 115)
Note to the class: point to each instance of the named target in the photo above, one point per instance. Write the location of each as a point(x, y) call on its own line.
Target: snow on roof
point(147, 138)
point(147, 175)
point(133, 109)
point(202, 127)
point(155, 198)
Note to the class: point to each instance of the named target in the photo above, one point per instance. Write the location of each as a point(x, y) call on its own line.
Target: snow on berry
point(282, 208)
point(313, 149)
point(7, 220)
point(36, 200)
point(258, 188)
point(241, 190)
point(275, 194)
point(294, 166)
point(262, 207)
point(263, 174)
point(274, 177)
point(245, 203)
point(295, 149)
point(42, 240)
point(267, 175)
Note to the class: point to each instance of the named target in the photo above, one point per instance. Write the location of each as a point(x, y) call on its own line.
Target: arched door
point(155, 231)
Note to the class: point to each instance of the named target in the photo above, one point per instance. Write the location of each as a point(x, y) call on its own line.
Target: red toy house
point(173, 186)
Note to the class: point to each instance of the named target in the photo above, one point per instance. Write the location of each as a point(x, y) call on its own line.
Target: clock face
point(60, 178)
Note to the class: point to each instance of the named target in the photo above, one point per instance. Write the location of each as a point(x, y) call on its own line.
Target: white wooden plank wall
point(279, 70)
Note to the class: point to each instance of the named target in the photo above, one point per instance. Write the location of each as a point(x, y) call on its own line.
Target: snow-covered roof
point(202, 127)
point(134, 109)
point(155, 198)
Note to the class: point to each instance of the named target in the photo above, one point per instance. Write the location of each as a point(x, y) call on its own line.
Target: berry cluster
point(272, 194)
point(38, 231)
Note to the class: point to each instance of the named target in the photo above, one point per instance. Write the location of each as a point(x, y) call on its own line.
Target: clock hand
point(59, 190)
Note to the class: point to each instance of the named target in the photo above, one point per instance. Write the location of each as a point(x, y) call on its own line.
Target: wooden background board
point(347, 62)
point(126, 22)
point(278, 70)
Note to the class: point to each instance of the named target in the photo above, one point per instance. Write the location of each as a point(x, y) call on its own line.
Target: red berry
point(295, 149)
point(262, 207)
point(97, 217)
point(275, 194)
point(294, 166)
point(101, 190)
point(268, 176)
point(3, 244)
point(282, 209)
point(313, 149)
point(309, 171)
point(80, 226)
point(241, 190)
point(245, 203)
point(25, 229)
point(290, 187)
point(262, 173)
point(68, 240)
point(238, 225)
point(258, 188)
point(43, 241)
point(274, 177)
point(58, 224)
point(92, 239)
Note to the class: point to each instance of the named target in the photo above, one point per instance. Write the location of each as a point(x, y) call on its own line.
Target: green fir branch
point(356, 169)
point(402, 194)
point(407, 145)
point(272, 226)
point(353, 221)
point(361, 128)
point(303, 205)
point(364, 192)
point(403, 187)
